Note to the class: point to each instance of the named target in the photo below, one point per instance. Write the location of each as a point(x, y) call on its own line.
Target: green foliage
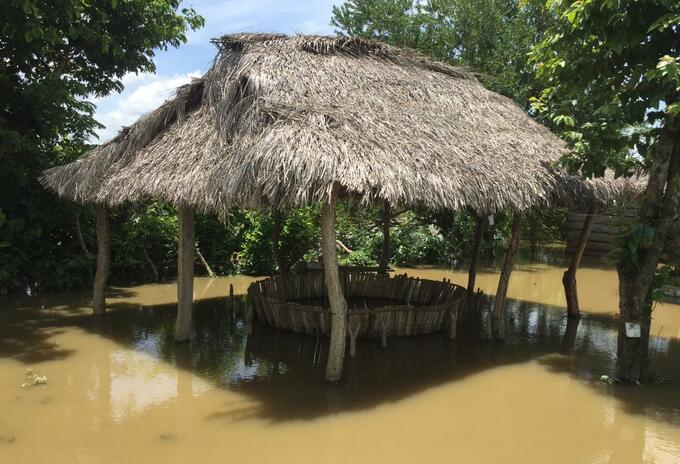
point(492, 37)
point(143, 242)
point(608, 68)
point(54, 55)
point(300, 235)
point(255, 255)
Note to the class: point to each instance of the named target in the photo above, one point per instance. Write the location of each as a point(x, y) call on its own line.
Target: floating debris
point(168, 436)
point(7, 438)
point(34, 379)
point(605, 378)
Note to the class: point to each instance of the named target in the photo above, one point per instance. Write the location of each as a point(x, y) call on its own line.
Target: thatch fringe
point(277, 120)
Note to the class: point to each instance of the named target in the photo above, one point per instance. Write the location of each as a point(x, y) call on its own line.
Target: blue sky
point(175, 67)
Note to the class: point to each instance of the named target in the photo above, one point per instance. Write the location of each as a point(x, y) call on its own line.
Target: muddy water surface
point(119, 391)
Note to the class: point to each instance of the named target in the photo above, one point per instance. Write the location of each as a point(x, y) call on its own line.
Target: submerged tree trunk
point(476, 251)
point(385, 255)
point(658, 208)
point(336, 351)
point(185, 274)
point(498, 319)
point(203, 261)
point(103, 261)
point(569, 277)
point(276, 243)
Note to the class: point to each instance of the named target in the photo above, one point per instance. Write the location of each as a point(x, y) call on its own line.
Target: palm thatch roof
point(277, 120)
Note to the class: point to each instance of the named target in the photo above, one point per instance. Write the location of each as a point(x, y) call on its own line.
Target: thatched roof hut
point(285, 121)
point(278, 119)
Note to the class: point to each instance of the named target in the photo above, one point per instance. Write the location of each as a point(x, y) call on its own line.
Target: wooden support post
point(498, 319)
point(103, 261)
point(569, 278)
point(185, 274)
point(231, 297)
point(453, 322)
point(336, 350)
point(385, 255)
point(276, 243)
point(353, 331)
point(476, 251)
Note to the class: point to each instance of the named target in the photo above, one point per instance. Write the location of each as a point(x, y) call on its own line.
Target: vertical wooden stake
point(353, 331)
point(336, 350)
point(498, 319)
point(103, 261)
point(453, 322)
point(476, 251)
point(231, 296)
point(569, 278)
point(385, 255)
point(185, 274)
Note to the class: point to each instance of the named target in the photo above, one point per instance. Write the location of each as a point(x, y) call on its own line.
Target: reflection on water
point(120, 390)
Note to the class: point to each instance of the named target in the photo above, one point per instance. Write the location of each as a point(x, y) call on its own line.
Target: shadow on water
point(284, 371)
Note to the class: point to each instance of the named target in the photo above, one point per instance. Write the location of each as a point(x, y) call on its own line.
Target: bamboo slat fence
point(399, 306)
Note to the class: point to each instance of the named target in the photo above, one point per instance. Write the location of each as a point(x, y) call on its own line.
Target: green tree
point(54, 55)
point(491, 37)
point(609, 68)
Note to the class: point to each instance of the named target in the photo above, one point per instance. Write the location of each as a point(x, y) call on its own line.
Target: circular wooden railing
point(378, 305)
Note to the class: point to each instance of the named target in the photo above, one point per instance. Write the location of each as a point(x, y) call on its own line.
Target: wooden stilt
point(336, 351)
point(353, 330)
point(569, 278)
point(231, 297)
point(453, 322)
point(476, 251)
point(103, 261)
point(185, 274)
point(498, 318)
point(385, 255)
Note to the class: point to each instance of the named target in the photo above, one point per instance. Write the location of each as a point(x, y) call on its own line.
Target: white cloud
point(143, 93)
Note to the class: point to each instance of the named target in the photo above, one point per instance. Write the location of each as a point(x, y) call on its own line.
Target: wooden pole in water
point(103, 261)
point(385, 255)
point(498, 319)
point(476, 251)
point(185, 274)
point(336, 350)
point(569, 278)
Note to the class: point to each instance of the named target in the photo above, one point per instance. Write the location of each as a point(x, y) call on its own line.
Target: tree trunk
point(185, 274)
point(81, 239)
point(336, 351)
point(385, 255)
point(103, 261)
point(658, 208)
point(498, 319)
point(569, 277)
point(533, 233)
point(152, 265)
point(276, 243)
point(474, 261)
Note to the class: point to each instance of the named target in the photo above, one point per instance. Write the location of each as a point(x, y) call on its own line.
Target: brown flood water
point(119, 390)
